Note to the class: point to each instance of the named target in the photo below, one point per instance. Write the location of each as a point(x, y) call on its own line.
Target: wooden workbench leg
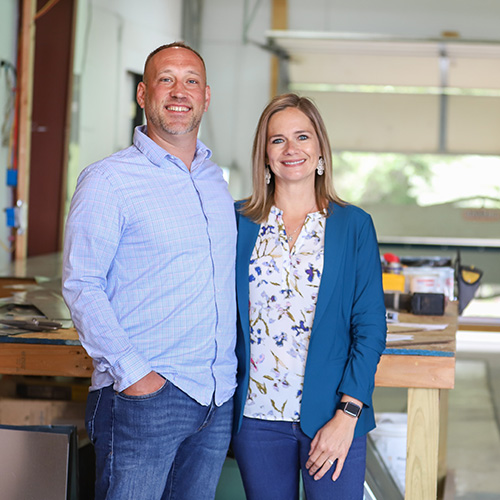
point(422, 444)
point(443, 440)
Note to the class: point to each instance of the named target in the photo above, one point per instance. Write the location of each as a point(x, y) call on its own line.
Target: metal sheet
point(33, 465)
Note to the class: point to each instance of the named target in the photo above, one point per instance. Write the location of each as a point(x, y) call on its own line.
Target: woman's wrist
point(350, 408)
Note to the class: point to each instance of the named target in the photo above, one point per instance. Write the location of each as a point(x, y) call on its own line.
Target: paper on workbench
point(398, 337)
point(419, 326)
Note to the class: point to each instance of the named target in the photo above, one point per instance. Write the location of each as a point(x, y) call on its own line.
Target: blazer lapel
point(335, 234)
point(247, 236)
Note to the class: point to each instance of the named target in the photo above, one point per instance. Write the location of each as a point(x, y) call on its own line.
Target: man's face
point(174, 93)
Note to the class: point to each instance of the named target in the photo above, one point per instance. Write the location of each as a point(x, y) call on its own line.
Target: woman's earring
point(321, 166)
point(268, 175)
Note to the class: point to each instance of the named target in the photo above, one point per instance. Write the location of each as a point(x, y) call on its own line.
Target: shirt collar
point(312, 215)
point(156, 154)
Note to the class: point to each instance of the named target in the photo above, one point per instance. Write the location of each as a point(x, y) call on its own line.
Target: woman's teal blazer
point(349, 330)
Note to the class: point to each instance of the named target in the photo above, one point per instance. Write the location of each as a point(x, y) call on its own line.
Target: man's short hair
point(181, 45)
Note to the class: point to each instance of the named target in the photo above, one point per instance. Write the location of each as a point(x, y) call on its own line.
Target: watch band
point(350, 408)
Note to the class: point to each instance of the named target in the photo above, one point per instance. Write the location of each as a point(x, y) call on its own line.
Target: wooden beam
point(280, 15)
point(25, 86)
point(443, 441)
point(45, 360)
point(479, 327)
point(416, 371)
point(422, 444)
point(67, 130)
point(279, 21)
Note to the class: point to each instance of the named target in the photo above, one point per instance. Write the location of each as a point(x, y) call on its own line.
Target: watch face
point(352, 409)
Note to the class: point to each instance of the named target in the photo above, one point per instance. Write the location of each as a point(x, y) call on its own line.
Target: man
point(148, 276)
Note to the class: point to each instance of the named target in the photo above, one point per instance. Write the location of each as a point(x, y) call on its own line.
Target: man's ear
point(208, 95)
point(141, 90)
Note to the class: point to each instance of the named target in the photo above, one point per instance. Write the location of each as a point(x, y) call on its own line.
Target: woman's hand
point(331, 443)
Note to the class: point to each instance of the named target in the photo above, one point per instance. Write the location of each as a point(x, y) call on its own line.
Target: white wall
point(8, 35)
point(114, 38)
point(238, 74)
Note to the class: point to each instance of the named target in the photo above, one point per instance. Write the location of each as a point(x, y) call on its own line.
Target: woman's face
point(292, 147)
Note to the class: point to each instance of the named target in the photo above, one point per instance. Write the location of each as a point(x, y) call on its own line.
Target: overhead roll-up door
point(408, 96)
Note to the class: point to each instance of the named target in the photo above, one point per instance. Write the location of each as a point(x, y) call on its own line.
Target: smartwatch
point(351, 409)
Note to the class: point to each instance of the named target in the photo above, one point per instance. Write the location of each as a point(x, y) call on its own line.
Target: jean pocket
point(144, 397)
point(93, 400)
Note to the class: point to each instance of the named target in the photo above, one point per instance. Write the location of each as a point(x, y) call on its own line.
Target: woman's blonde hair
point(257, 206)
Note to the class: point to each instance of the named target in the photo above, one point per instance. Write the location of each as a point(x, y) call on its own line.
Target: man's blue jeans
point(162, 446)
point(272, 454)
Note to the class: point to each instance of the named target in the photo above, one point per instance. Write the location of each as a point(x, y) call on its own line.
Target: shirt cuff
point(128, 370)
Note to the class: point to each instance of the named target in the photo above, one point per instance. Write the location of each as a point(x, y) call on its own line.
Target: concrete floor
point(473, 429)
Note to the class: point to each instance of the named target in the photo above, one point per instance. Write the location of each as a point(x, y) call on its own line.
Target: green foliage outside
point(398, 179)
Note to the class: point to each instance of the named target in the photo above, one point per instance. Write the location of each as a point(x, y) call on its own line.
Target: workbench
point(55, 353)
point(424, 364)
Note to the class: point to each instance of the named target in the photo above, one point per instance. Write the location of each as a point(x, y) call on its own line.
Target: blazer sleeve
point(368, 327)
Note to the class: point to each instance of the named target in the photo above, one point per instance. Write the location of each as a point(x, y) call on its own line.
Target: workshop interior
point(410, 94)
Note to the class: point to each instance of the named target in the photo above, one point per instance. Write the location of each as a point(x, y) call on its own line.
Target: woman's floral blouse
point(284, 287)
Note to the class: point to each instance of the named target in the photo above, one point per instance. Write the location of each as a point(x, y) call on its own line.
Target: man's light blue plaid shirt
point(148, 270)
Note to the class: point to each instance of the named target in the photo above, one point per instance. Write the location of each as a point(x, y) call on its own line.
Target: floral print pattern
point(283, 286)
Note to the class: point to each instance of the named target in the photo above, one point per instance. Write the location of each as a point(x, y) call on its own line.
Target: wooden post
point(443, 441)
point(25, 86)
point(423, 441)
point(279, 21)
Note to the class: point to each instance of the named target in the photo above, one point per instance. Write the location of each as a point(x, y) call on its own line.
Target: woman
point(311, 325)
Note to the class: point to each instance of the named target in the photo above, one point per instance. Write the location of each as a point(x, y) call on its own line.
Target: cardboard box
point(393, 282)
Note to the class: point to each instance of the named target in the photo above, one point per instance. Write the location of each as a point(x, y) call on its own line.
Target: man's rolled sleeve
point(93, 232)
